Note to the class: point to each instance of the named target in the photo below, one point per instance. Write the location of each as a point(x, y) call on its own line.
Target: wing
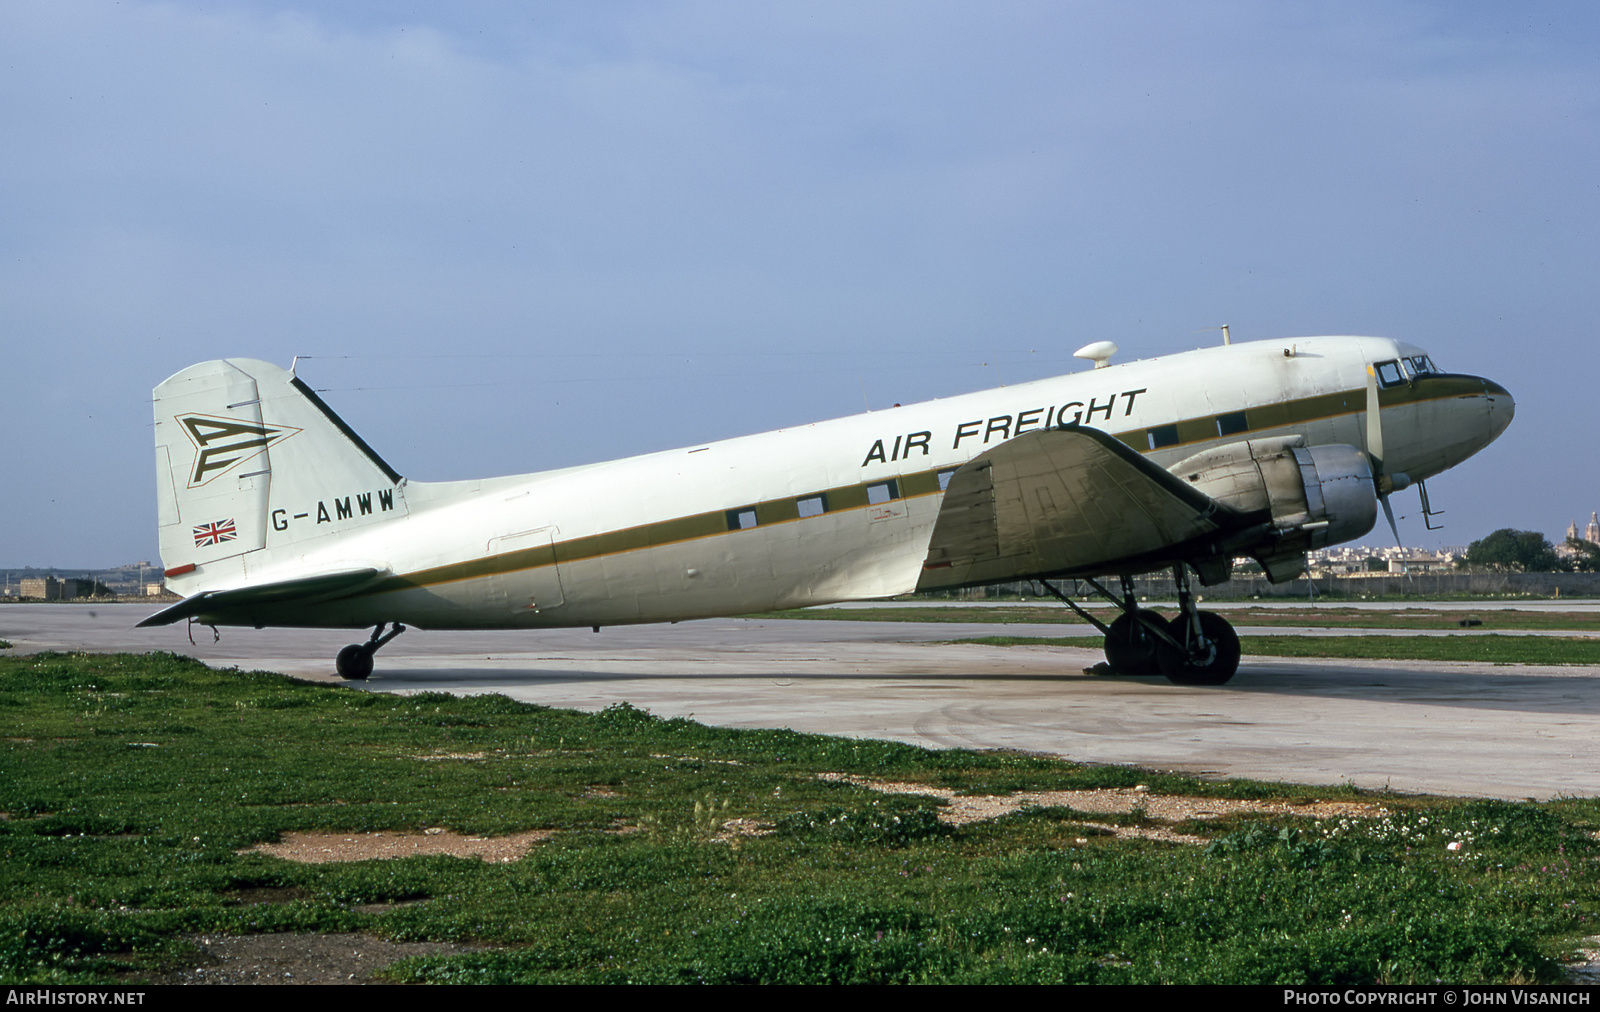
point(1064, 502)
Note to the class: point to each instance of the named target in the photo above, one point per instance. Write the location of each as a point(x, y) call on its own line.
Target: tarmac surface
point(1510, 731)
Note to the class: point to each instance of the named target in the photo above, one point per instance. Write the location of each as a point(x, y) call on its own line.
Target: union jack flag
point(211, 534)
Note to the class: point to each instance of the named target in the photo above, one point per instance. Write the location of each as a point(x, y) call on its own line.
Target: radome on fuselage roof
point(274, 513)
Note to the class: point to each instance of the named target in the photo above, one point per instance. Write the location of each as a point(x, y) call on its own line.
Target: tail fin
point(249, 459)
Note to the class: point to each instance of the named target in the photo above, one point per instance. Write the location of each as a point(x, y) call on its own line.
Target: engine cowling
point(1306, 497)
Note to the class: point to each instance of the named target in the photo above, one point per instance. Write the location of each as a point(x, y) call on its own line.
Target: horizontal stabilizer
point(1064, 501)
point(305, 590)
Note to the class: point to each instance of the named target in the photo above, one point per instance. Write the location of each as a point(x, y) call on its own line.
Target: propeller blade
point(1388, 511)
point(1375, 451)
point(1374, 423)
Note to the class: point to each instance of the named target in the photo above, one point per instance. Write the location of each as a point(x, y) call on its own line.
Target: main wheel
point(1131, 647)
point(1210, 660)
point(354, 662)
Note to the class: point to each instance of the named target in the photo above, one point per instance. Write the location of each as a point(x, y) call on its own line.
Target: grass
point(130, 784)
point(1328, 618)
point(1490, 649)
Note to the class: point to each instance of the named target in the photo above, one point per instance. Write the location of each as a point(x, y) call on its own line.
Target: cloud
point(644, 211)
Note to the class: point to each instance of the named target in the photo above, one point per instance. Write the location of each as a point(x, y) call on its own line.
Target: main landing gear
point(355, 661)
point(1194, 648)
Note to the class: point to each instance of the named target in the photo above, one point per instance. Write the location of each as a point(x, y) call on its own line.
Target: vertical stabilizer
point(250, 463)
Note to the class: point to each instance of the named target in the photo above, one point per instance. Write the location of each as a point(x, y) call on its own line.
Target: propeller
point(1384, 483)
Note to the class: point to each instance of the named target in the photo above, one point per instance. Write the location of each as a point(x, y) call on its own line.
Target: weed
point(880, 822)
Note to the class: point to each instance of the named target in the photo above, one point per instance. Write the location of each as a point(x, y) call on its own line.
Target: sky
point(505, 237)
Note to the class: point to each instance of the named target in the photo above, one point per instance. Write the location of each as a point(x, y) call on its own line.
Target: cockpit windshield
point(1404, 370)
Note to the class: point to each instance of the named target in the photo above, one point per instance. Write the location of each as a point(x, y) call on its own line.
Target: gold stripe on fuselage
point(919, 484)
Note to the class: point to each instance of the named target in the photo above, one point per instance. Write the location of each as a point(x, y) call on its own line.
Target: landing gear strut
point(1131, 643)
point(1203, 648)
point(1132, 638)
point(1196, 648)
point(355, 661)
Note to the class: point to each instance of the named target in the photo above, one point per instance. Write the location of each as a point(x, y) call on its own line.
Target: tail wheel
point(1210, 659)
point(354, 662)
point(1131, 647)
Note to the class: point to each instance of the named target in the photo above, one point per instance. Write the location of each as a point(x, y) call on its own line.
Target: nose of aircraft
point(1501, 408)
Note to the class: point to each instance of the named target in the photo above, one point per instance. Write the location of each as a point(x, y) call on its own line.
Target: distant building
point(1360, 560)
point(1419, 562)
point(43, 588)
point(1591, 533)
point(48, 588)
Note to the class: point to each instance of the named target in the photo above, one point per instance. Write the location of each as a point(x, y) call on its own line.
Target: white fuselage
point(836, 510)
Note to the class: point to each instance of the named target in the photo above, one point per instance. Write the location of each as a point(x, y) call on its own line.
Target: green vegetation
point(1492, 649)
point(1585, 557)
point(1320, 618)
point(1512, 551)
point(130, 785)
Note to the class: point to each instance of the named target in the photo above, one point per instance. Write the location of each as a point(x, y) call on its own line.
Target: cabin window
point(1421, 365)
point(944, 479)
point(879, 494)
point(1231, 423)
point(812, 506)
point(1162, 435)
point(742, 520)
point(1389, 374)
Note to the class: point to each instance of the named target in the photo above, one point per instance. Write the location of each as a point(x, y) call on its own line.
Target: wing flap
point(1058, 501)
point(302, 590)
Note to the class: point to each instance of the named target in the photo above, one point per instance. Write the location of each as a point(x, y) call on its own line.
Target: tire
point(1130, 648)
point(1213, 663)
point(354, 662)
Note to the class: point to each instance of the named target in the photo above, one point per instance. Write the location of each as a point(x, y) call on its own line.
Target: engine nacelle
point(1310, 497)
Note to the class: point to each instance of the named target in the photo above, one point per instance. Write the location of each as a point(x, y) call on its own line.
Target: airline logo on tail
point(223, 443)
